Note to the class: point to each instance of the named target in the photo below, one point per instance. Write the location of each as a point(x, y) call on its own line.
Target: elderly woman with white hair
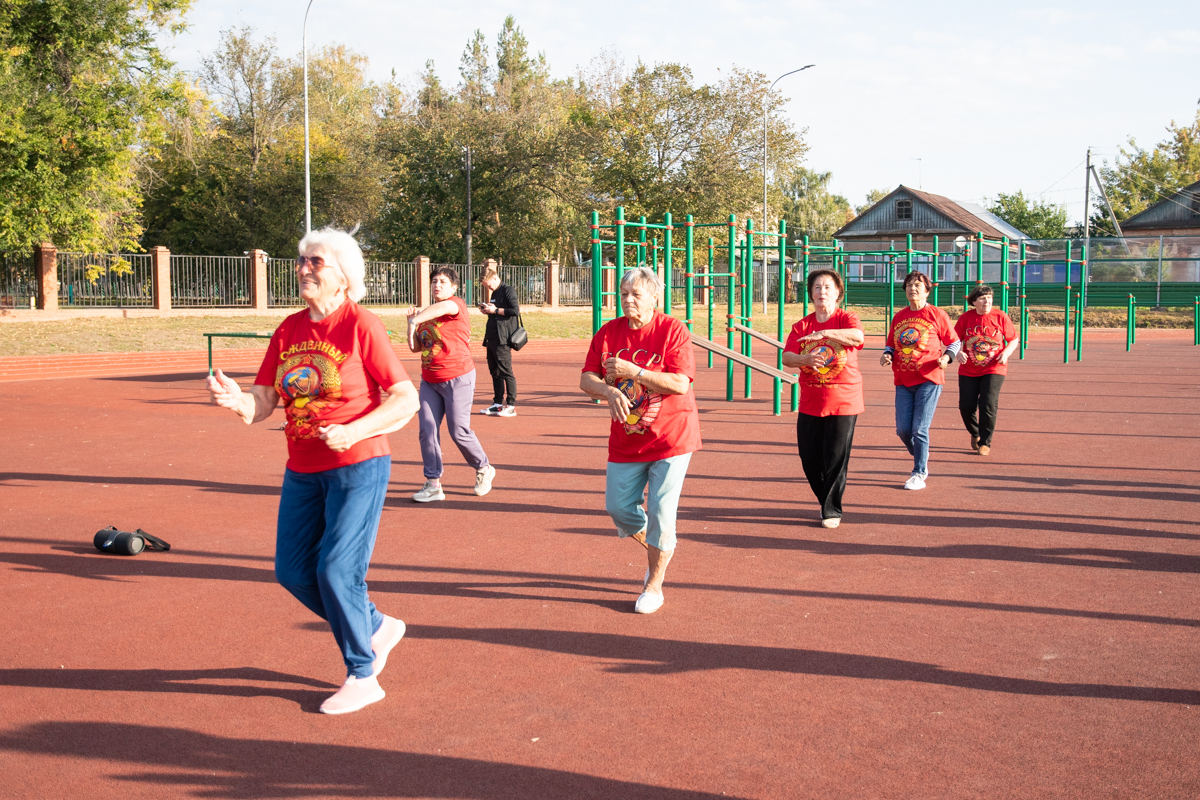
point(332, 365)
point(641, 364)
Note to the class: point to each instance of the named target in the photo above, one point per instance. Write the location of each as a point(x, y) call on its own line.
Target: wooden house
point(1176, 215)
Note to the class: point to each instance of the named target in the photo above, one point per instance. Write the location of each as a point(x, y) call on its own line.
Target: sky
point(964, 99)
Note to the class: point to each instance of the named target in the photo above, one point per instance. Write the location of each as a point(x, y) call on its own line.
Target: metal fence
point(283, 289)
point(574, 285)
point(18, 280)
point(390, 283)
point(114, 280)
point(211, 281)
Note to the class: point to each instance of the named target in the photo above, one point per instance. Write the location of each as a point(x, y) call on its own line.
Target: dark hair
point(831, 274)
point(978, 292)
point(449, 272)
point(918, 276)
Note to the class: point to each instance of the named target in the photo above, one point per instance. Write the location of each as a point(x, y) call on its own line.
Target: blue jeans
point(623, 488)
point(323, 544)
point(914, 414)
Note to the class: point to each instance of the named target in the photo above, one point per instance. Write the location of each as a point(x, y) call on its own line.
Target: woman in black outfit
point(502, 311)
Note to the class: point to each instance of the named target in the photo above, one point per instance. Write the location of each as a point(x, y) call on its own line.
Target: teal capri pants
point(624, 487)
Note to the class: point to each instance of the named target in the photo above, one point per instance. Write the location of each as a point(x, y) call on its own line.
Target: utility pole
point(307, 179)
point(469, 260)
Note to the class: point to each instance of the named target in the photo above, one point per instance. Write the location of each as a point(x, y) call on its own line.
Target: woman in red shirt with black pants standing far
point(920, 343)
point(989, 339)
point(824, 346)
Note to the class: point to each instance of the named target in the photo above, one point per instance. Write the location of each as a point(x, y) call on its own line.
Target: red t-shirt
point(446, 345)
point(330, 372)
point(984, 338)
point(836, 388)
point(659, 426)
point(916, 336)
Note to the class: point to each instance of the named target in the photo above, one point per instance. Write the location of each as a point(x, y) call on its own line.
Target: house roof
point(1180, 209)
point(968, 218)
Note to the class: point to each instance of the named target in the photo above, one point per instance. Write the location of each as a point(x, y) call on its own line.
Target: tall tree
point(1140, 178)
point(660, 143)
point(810, 208)
point(1036, 219)
point(234, 177)
point(81, 85)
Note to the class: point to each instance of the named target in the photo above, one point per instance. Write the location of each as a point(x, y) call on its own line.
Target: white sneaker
point(648, 603)
point(355, 693)
point(833, 522)
point(508, 411)
point(483, 480)
point(429, 492)
point(491, 410)
point(915, 482)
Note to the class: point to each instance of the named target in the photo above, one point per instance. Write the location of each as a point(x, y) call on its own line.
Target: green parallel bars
point(641, 245)
point(934, 269)
point(689, 262)
point(778, 384)
point(619, 258)
point(1004, 274)
point(805, 284)
point(1023, 327)
point(1196, 323)
point(748, 305)
point(1079, 326)
point(1130, 324)
point(597, 271)
point(732, 295)
point(1067, 307)
point(667, 263)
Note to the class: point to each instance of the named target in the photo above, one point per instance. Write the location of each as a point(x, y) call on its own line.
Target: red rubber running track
point(1025, 627)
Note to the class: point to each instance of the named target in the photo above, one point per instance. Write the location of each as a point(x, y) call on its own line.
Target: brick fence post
point(45, 257)
point(160, 277)
point(421, 279)
point(259, 296)
point(552, 283)
point(608, 279)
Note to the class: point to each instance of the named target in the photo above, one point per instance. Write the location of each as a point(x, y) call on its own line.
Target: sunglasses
point(316, 262)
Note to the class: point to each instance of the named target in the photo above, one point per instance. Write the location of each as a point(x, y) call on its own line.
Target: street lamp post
point(307, 180)
point(469, 260)
point(764, 215)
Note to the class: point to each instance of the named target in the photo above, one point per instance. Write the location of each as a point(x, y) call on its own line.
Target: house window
point(904, 209)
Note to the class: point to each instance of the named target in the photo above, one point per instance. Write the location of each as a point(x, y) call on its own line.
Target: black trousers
point(824, 444)
point(979, 394)
point(499, 360)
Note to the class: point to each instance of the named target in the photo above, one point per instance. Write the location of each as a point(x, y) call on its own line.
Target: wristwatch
point(639, 375)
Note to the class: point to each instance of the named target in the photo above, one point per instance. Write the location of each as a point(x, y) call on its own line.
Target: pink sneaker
point(388, 636)
point(355, 693)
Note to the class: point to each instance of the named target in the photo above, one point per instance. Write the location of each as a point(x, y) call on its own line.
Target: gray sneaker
point(430, 492)
point(483, 480)
point(507, 411)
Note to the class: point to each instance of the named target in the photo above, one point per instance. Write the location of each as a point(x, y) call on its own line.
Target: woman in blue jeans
point(342, 387)
point(920, 343)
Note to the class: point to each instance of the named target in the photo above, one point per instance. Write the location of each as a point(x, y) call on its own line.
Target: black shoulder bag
point(519, 337)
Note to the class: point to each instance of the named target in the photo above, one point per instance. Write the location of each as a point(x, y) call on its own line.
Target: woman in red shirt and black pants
point(824, 346)
point(989, 339)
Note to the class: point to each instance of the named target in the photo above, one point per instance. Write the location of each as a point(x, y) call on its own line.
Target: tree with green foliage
point(1035, 219)
point(1139, 178)
point(233, 177)
point(527, 166)
point(811, 209)
point(82, 85)
point(657, 142)
point(873, 197)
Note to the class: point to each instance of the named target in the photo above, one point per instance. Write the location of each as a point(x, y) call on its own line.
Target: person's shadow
point(176, 761)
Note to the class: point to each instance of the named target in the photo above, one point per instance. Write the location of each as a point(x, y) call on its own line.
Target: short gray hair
point(642, 276)
point(346, 253)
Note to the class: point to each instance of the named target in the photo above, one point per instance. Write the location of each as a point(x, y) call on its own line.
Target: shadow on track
point(180, 762)
point(181, 681)
point(643, 656)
